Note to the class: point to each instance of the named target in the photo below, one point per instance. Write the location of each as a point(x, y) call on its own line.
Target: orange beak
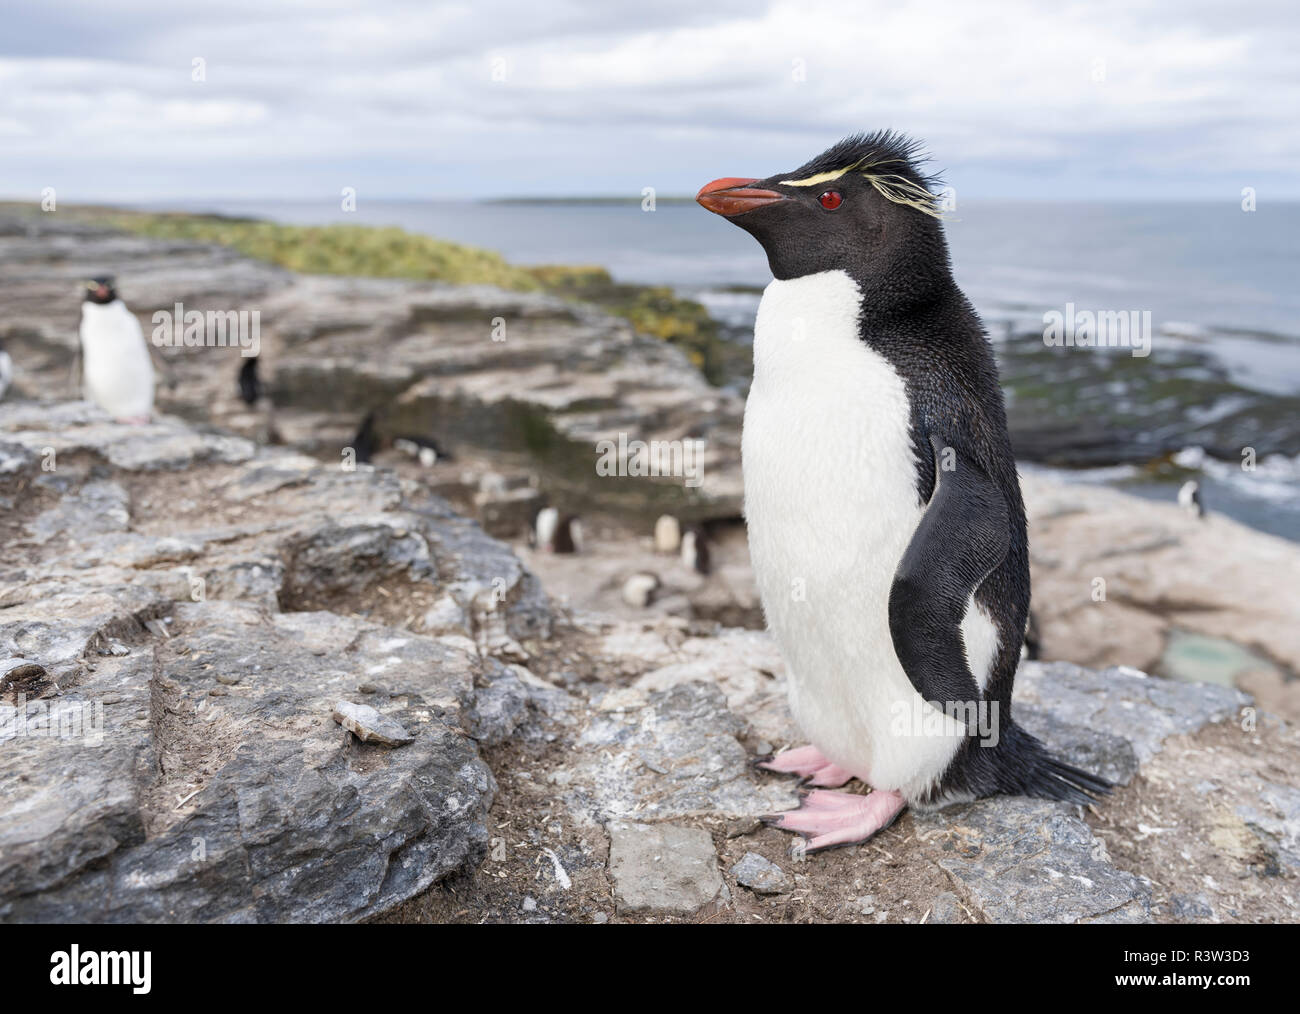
point(731, 196)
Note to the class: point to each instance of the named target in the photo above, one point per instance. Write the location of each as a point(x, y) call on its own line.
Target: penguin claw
point(810, 764)
point(828, 819)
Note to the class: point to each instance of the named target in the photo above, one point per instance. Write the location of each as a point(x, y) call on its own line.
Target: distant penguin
point(117, 371)
point(879, 481)
point(6, 371)
point(250, 384)
point(695, 550)
point(668, 534)
point(568, 535)
point(366, 441)
point(1189, 498)
point(423, 449)
point(545, 522)
point(639, 589)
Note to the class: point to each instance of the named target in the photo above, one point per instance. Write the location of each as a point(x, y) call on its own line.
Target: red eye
point(831, 200)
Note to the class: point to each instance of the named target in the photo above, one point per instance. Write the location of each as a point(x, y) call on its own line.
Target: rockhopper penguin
point(884, 511)
point(1189, 498)
point(6, 371)
point(116, 367)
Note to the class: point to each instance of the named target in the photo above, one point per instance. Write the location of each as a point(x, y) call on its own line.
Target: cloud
point(411, 99)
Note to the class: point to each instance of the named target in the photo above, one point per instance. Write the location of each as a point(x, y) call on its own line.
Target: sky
point(157, 100)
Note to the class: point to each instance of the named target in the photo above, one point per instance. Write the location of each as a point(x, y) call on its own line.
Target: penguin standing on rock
point(366, 441)
point(885, 519)
point(251, 388)
point(6, 371)
point(116, 367)
point(695, 550)
point(1189, 498)
point(554, 532)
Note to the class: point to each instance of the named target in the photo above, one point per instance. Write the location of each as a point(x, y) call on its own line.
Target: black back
point(250, 385)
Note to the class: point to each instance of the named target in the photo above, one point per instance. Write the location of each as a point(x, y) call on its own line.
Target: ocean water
point(1221, 286)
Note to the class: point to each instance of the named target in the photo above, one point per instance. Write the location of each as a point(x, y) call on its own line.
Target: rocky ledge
point(240, 684)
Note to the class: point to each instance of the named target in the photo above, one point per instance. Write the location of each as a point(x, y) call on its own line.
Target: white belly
point(831, 504)
point(117, 373)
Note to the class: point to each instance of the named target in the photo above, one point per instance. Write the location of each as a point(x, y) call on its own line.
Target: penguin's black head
point(100, 290)
point(862, 206)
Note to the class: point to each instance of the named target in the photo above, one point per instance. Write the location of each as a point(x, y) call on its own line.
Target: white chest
point(116, 369)
point(831, 504)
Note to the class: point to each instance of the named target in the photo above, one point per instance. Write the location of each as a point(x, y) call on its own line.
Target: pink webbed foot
point(826, 818)
point(133, 420)
point(808, 762)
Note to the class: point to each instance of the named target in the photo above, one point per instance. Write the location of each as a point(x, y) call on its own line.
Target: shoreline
point(1048, 431)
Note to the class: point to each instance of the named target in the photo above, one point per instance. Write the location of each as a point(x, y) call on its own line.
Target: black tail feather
point(1027, 768)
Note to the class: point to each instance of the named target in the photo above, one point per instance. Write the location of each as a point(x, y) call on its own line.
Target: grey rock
point(248, 806)
point(762, 876)
point(566, 377)
point(1191, 908)
point(1140, 709)
point(369, 726)
point(1029, 860)
point(500, 705)
point(662, 869)
point(946, 909)
point(216, 787)
point(677, 755)
point(1277, 821)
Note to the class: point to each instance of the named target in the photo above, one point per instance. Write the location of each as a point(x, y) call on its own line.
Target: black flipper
point(964, 534)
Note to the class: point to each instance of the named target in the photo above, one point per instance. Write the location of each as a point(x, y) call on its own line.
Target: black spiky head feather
point(882, 226)
point(884, 154)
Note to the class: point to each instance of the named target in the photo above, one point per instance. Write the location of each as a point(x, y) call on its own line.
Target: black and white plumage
point(695, 550)
point(117, 370)
point(554, 532)
point(366, 441)
point(886, 525)
point(639, 589)
point(251, 388)
point(1189, 498)
point(6, 371)
point(423, 449)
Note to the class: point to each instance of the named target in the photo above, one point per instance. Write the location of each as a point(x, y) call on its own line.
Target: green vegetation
point(390, 252)
point(374, 251)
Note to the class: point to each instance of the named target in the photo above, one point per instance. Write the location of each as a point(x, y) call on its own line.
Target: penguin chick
point(1189, 498)
point(668, 534)
point(879, 480)
point(695, 550)
point(250, 384)
point(116, 368)
point(639, 589)
point(423, 449)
